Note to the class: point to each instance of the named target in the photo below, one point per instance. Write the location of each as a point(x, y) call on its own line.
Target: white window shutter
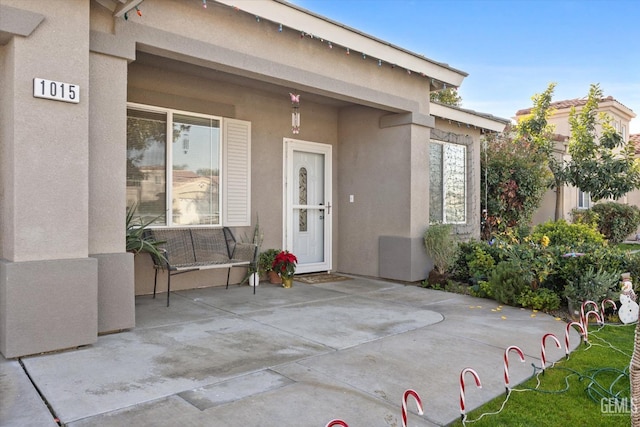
point(236, 178)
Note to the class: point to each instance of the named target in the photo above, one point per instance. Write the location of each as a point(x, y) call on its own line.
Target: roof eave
point(299, 19)
point(470, 117)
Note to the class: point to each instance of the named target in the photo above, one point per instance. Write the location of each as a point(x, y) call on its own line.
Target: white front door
point(308, 204)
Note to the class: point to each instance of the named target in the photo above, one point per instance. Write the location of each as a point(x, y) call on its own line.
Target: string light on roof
point(303, 34)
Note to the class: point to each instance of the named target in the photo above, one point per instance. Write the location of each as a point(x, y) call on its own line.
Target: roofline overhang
point(469, 117)
point(300, 19)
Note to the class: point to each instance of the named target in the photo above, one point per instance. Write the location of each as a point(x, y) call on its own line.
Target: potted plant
point(137, 240)
point(265, 265)
point(285, 265)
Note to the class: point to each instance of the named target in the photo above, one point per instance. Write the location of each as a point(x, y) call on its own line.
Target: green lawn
point(628, 246)
point(575, 392)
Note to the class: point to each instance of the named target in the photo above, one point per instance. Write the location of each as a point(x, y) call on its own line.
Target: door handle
point(327, 208)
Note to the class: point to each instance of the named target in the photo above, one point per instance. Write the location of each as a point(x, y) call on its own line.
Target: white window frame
point(582, 197)
point(244, 219)
point(443, 189)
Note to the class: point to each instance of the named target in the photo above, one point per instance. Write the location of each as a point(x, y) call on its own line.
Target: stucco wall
point(270, 117)
point(48, 142)
point(48, 284)
point(373, 167)
point(6, 149)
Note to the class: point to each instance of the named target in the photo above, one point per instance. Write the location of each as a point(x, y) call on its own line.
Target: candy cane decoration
point(404, 405)
point(586, 322)
point(583, 309)
point(566, 336)
point(478, 384)
point(506, 363)
point(543, 352)
point(604, 302)
point(337, 423)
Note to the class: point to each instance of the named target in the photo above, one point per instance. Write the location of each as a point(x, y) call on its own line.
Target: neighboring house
point(186, 111)
point(570, 197)
point(633, 198)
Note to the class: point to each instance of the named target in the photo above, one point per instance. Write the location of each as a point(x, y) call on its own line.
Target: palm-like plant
point(137, 240)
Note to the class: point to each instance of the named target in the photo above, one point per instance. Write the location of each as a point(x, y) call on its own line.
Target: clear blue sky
point(511, 49)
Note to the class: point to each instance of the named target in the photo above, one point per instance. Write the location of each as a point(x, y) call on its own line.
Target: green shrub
point(480, 264)
point(441, 246)
point(265, 260)
point(562, 233)
point(617, 221)
point(585, 216)
point(476, 253)
point(631, 264)
point(507, 282)
point(539, 299)
point(482, 289)
point(592, 285)
point(536, 263)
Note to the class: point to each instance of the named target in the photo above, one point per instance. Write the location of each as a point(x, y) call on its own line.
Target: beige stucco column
point(48, 283)
point(384, 164)
point(107, 191)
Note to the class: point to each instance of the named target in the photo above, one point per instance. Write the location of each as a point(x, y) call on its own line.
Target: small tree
point(517, 179)
point(602, 165)
point(447, 96)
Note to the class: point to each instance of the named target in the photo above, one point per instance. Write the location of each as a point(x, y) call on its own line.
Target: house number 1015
point(57, 91)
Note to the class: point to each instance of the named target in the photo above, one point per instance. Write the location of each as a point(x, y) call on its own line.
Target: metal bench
point(193, 249)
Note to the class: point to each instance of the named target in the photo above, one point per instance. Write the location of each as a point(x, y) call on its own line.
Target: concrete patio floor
point(283, 357)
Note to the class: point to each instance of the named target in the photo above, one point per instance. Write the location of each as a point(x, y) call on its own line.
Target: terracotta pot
point(274, 278)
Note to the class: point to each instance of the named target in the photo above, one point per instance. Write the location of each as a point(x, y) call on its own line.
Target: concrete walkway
point(283, 357)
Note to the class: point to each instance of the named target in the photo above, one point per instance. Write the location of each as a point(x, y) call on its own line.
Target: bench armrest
point(162, 261)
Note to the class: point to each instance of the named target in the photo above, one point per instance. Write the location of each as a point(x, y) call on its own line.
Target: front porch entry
point(307, 199)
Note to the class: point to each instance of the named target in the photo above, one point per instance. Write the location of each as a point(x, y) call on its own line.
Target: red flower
point(285, 264)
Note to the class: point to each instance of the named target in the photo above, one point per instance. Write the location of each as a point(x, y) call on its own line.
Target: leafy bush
point(592, 285)
point(441, 246)
point(507, 282)
point(266, 259)
point(562, 233)
point(536, 263)
point(617, 221)
point(471, 259)
point(482, 289)
point(480, 264)
point(517, 177)
point(539, 299)
point(585, 216)
point(631, 264)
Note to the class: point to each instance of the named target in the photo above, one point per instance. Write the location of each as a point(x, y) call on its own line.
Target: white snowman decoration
point(628, 311)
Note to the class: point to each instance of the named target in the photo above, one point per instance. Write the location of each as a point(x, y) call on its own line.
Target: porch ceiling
point(235, 79)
